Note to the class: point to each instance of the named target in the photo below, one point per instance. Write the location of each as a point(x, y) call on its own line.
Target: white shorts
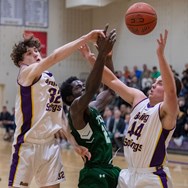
point(42, 161)
point(145, 178)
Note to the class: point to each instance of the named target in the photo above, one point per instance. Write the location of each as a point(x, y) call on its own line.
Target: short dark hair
point(21, 48)
point(178, 85)
point(66, 89)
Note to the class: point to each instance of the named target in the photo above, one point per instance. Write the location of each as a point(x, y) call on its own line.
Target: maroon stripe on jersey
point(160, 150)
point(26, 108)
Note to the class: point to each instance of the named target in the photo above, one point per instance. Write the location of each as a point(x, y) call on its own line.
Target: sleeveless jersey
point(146, 141)
point(38, 111)
point(95, 137)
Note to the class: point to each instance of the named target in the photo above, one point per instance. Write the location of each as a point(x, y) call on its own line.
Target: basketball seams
point(143, 23)
point(147, 13)
point(141, 18)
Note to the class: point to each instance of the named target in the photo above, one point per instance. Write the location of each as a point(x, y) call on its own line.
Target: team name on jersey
point(99, 119)
point(142, 117)
point(129, 143)
point(49, 82)
point(54, 97)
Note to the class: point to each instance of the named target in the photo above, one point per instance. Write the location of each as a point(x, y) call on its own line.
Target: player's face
point(31, 56)
point(78, 88)
point(156, 94)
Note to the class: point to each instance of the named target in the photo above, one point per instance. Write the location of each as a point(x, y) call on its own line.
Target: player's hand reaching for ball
point(105, 45)
point(162, 43)
point(86, 53)
point(93, 35)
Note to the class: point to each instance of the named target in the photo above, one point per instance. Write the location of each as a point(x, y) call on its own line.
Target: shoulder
point(168, 119)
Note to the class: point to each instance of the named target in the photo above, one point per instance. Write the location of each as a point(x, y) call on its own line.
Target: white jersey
point(38, 111)
point(146, 141)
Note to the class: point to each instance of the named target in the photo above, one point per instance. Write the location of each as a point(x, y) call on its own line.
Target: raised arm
point(34, 71)
point(94, 79)
point(130, 95)
point(169, 107)
point(107, 95)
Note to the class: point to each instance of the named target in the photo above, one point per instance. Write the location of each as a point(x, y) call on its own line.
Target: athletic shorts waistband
point(145, 170)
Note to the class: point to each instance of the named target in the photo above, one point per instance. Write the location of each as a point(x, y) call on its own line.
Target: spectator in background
point(123, 110)
point(155, 73)
point(5, 118)
point(146, 83)
point(126, 121)
point(175, 73)
point(146, 72)
point(120, 75)
point(135, 82)
point(137, 72)
point(108, 115)
point(184, 80)
point(116, 130)
point(181, 130)
point(126, 73)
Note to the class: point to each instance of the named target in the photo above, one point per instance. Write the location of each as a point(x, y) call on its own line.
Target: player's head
point(157, 90)
point(71, 89)
point(21, 48)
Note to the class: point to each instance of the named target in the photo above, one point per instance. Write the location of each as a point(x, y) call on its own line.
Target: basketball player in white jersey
point(38, 115)
point(152, 122)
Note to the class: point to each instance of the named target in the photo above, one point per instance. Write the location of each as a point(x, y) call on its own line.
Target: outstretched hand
point(105, 45)
point(93, 35)
point(86, 53)
point(83, 152)
point(162, 43)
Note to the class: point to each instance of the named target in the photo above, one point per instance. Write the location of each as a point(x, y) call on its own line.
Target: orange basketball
point(141, 18)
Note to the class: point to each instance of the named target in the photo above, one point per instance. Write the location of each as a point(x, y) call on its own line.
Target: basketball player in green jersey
point(86, 123)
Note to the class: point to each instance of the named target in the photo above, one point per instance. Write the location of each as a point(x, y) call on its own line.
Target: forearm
point(107, 73)
point(95, 76)
point(67, 49)
point(68, 135)
point(167, 75)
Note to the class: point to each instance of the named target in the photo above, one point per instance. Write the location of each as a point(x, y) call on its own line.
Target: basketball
point(141, 18)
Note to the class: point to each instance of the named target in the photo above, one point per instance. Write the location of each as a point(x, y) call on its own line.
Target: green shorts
point(99, 177)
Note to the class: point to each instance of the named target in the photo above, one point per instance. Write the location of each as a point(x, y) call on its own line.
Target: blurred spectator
point(137, 72)
point(126, 73)
point(123, 110)
point(174, 72)
point(180, 123)
point(184, 135)
point(184, 80)
point(120, 75)
point(146, 72)
point(135, 83)
point(146, 83)
point(107, 116)
point(155, 73)
point(127, 118)
point(12, 120)
point(5, 118)
point(116, 130)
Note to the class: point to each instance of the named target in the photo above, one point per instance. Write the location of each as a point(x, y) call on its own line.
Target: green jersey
point(94, 136)
point(99, 171)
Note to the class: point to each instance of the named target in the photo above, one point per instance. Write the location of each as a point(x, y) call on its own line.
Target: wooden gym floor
point(178, 165)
